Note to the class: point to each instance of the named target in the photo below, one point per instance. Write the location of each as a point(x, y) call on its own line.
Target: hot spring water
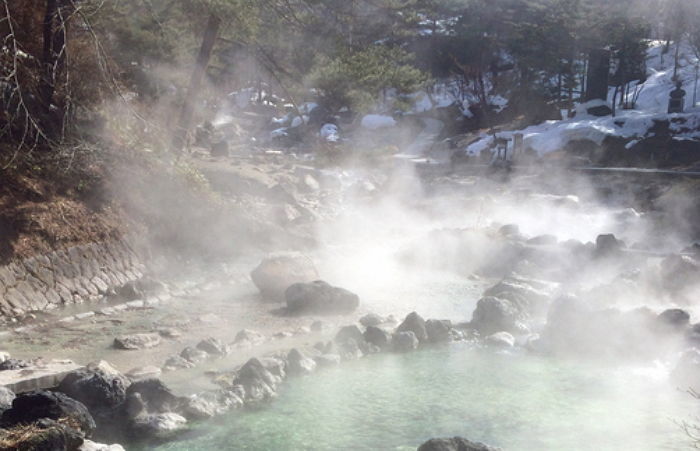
point(518, 402)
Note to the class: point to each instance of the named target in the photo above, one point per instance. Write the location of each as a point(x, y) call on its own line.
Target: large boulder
point(416, 324)
point(35, 405)
point(454, 444)
point(98, 386)
point(494, 314)
point(608, 245)
point(275, 274)
point(320, 298)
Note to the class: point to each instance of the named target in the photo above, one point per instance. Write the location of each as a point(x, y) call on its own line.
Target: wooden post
point(185, 120)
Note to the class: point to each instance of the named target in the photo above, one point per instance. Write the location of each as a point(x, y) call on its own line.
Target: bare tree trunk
point(46, 86)
point(187, 111)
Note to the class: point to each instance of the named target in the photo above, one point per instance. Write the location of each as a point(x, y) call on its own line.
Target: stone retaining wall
point(75, 275)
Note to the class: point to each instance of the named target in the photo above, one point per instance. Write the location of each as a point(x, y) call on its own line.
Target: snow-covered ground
point(652, 105)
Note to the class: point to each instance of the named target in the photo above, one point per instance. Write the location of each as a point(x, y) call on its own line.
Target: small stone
point(143, 373)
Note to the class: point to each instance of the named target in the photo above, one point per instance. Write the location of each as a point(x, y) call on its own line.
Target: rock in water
point(377, 337)
point(500, 340)
point(89, 445)
point(404, 341)
point(156, 396)
point(416, 324)
point(137, 341)
point(97, 386)
point(454, 444)
point(35, 405)
point(258, 382)
point(298, 363)
point(607, 245)
point(320, 298)
point(349, 333)
point(438, 330)
point(275, 274)
point(494, 315)
point(157, 425)
point(214, 347)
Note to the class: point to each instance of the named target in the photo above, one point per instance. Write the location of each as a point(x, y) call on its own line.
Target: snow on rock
point(297, 121)
point(377, 121)
point(330, 133)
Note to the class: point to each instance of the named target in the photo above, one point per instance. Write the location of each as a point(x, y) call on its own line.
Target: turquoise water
point(518, 402)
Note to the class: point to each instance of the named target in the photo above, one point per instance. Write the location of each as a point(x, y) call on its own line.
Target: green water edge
point(512, 400)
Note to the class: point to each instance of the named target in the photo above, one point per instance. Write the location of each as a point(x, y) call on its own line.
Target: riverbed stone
point(213, 346)
point(299, 364)
point(454, 444)
point(177, 362)
point(416, 324)
point(157, 425)
point(320, 298)
point(194, 355)
point(276, 273)
point(259, 384)
point(404, 341)
point(89, 445)
point(494, 314)
point(6, 398)
point(137, 341)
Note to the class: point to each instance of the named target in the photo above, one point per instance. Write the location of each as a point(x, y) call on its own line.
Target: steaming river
point(518, 402)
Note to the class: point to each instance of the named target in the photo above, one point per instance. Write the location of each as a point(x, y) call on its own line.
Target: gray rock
point(275, 274)
point(674, 319)
point(157, 425)
point(6, 397)
point(141, 373)
point(349, 333)
point(377, 337)
point(500, 340)
point(454, 444)
point(608, 245)
point(177, 362)
point(98, 386)
point(327, 360)
point(438, 330)
point(299, 364)
point(137, 341)
point(320, 298)
point(214, 347)
point(248, 337)
point(259, 383)
point(89, 445)
point(494, 315)
point(350, 350)
point(414, 323)
point(317, 326)
point(404, 341)
point(155, 395)
point(194, 355)
point(372, 319)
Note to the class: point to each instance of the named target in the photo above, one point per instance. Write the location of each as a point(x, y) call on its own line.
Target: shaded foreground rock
point(275, 274)
point(30, 407)
point(454, 444)
point(43, 435)
point(404, 341)
point(320, 298)
point(97, 386)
